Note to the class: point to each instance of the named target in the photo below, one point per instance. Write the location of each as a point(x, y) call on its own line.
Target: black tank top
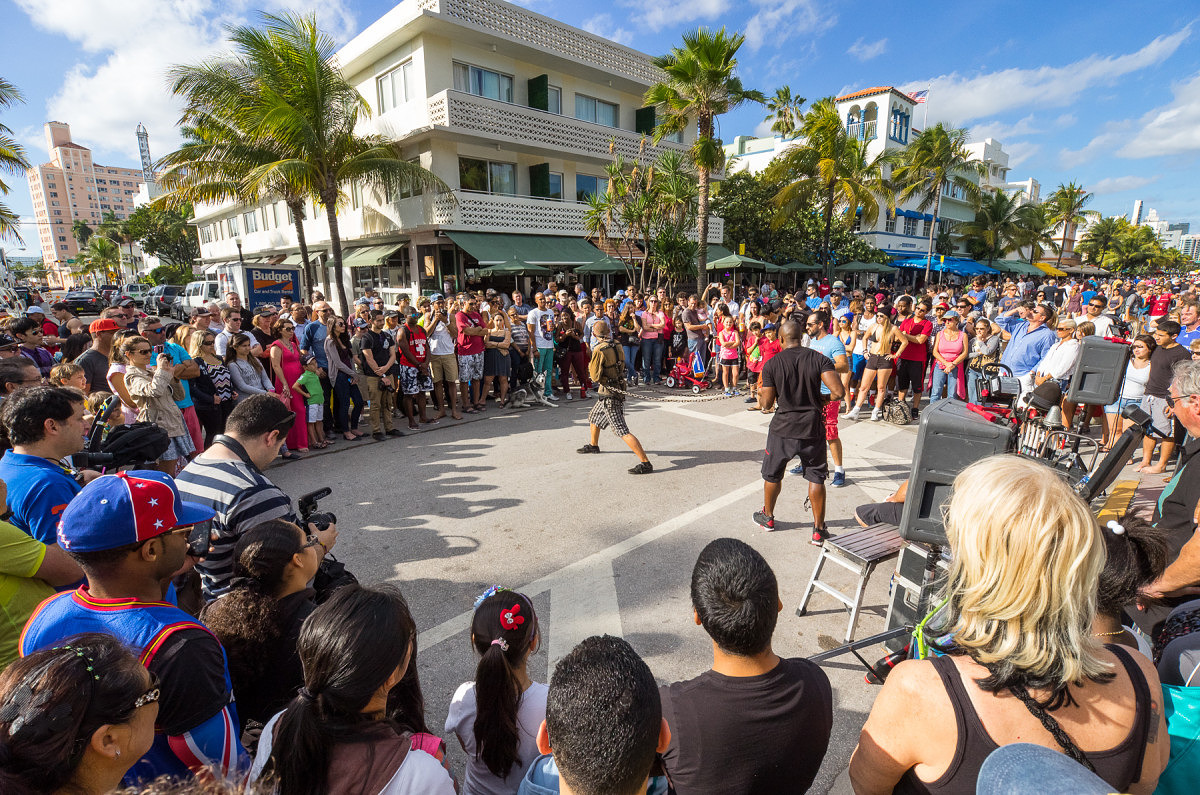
point(1119, 766)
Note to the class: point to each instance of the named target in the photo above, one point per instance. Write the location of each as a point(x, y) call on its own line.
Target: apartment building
point(518, 113)
point(73, 187)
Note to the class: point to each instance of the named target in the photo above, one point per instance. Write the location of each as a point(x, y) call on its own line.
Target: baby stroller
point(689, 372)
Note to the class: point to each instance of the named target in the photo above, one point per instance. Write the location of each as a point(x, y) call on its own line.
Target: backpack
point(612, 370)
point(896, 411)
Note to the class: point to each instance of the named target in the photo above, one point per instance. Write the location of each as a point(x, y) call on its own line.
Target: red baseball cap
point(103, 324)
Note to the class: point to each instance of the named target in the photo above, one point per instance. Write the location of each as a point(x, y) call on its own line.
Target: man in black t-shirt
point(793, 377)
point(755, 723)
point(1162, 370)
point(376, 351)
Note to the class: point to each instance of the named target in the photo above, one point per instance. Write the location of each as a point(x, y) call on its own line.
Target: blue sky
point(1103, 93)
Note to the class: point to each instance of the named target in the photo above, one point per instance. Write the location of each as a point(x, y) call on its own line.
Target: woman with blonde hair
point(1022, 663)
point(881, 338)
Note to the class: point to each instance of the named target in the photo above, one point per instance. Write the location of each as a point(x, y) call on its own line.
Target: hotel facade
point(517, 113)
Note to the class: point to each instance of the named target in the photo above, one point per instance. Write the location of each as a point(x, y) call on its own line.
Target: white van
point(137, 292)
point(195, 294)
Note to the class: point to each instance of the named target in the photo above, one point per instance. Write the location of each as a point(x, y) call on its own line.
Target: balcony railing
point(862, 130)
point(489, 212)
point(503, 121)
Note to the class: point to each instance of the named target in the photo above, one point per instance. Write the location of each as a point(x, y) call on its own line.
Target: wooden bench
point(859, 552)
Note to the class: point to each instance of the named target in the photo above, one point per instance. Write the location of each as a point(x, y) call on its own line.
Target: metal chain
point(671, 399)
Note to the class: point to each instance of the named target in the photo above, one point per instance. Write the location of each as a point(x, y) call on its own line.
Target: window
point(275, 215)
point(206, 234)
point(910, 226)
point(925, 228)
point(889, 225)
point(232, 224)
point(63, 238)
point(396, 87)
point(486, 176)
point(251, 222)
point(943, 225)
point(556, 185)
point(409, 189)
point(356, 199)
point(483, 82)
point(857, 223)
point(587, 185)
point(599, 111)
point(554, 99)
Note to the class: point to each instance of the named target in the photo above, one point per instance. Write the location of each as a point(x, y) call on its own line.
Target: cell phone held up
point(161, 349)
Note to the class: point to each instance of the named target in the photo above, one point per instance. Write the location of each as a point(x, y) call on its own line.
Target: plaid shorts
point(609, 412)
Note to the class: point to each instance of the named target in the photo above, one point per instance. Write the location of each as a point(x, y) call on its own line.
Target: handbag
point(331, 575)
point(896, 411)
point(1181, 706)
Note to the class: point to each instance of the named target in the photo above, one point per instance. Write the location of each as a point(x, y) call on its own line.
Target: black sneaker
point(765, 522)
point(395, 432)
point(819, 536)
point(379, 437)
point(588, 448)
point(643, 468)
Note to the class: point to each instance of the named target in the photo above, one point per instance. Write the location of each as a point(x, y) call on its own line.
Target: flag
point(920, 96)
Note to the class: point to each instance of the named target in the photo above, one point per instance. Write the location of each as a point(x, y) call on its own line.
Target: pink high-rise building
point(70, 187)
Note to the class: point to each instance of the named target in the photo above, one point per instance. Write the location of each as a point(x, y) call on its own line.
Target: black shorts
point(876, 361)
point(880, 512)
point(781, 450)
point(910, 375)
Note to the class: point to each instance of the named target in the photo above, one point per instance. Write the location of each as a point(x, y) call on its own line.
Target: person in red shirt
point(1160, 303)
point(910, 368)
point(470, 346)
point(415, 377)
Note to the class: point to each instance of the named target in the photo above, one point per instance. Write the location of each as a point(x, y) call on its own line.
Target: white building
point(515, 111)
point(1190, 246)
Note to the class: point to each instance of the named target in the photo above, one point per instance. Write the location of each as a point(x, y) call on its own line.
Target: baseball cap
point(391, 313)
point(361, 301)
point(360, 323)
point(33, 310)
point(620, 294)
point(126, 508)
point(951, 313)
point(7, 340)
point(306, 358)
point(840, 284)
point(126, 303)
point(103, 324)
point(436, 297)
point(942, 305)
point(197, 311)
point(267, 309)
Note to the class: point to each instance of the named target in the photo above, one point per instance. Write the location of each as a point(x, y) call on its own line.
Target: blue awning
point(959, 265)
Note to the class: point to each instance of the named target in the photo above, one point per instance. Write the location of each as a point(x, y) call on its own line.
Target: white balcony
point(862, 130)
point(536, 130)
point(487, 212)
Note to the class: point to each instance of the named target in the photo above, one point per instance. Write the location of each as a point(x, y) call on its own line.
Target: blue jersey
point(832, 347)
point(144, 627)
point(38, 491)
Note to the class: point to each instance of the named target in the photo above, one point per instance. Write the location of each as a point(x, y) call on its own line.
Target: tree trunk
point(1062, 249)
point(335, 239)
point(702, 229)
point(310, 274)
point(937, 208)
point(827, 258)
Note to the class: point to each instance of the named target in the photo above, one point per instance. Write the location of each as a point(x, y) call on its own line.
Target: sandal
point(292, 457)
point(470, 411)
point(412, 426)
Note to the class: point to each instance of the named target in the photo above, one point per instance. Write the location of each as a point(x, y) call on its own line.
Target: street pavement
point(504, 498)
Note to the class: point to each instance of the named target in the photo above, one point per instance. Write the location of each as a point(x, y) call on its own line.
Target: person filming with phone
point(228, 478)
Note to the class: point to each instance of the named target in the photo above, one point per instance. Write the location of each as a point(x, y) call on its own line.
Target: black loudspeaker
point(1099, 372)
point(951, 437)
point(906, 591)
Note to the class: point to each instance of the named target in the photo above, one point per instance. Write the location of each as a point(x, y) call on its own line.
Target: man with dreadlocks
point(607, 370)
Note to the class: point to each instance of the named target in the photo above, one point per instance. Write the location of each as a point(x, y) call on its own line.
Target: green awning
point(552, 251)
point(606, 265)
point(802, 267)
point(716, 252)
point(514, 267)
point(744, 263)
point(369, 256)
point(863, 267)
point(1016, 266)
point(296, 259)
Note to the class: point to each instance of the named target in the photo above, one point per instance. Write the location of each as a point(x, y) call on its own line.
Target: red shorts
point(832, 409)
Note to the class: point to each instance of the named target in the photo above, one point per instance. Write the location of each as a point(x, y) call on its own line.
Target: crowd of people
point(182, 627)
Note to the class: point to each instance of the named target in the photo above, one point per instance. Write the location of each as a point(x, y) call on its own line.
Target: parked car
point(108, 291)
point(160, 300)
point(86, 302)
point(195, 294)
point(136, 291)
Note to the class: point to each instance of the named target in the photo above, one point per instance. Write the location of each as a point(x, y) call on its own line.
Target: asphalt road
point(505, 499)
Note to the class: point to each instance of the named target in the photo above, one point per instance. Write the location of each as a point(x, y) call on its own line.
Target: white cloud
point(865, 52)
point(602, 25)
point(960, 98)
point(1114, 132)
point(131, 44)
point(1118, 184)
point(776, 21)
point(1002, 131)
point(659, 14)
point(1019, 153)
point(1171, 129)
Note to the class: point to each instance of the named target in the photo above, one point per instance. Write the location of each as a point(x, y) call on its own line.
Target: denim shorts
point(1120, 404)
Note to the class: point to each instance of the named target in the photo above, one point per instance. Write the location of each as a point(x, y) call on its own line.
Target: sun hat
point(103, 324)
point(360, 323)
point(126, 508)
point(840, 284)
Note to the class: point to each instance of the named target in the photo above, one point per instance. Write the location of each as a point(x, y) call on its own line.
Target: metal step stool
point(859, 552)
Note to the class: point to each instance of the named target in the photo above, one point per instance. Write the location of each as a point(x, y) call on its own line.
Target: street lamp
point(238, 242)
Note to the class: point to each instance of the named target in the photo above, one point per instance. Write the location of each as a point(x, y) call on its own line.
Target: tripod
point(924, 596)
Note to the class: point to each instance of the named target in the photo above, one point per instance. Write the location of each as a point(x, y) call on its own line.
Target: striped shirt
point(243, 498)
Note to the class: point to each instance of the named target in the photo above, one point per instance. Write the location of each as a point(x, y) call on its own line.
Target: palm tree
point(996, 222)
point(298, 114)
point(700, 85)
point(1134, 247)
point(833, 168)
point(1099, 237)
point(1067, 208)
point(937, 158)
point(12, 161)
point(785, 113)
point(81, 232)
point(101, 257)
point(1035, 229)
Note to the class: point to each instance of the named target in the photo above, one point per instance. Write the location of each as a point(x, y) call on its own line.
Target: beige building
point(72, 187)
point(518, 113)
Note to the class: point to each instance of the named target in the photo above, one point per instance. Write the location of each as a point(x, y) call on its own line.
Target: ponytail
point(503, 630)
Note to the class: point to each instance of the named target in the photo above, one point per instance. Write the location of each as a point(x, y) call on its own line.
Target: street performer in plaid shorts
point(607, 370)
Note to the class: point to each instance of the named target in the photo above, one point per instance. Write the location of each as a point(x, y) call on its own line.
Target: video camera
point(309, 513)
point(125, 445)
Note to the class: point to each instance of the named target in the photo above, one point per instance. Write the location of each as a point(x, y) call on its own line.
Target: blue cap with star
point(126, 508)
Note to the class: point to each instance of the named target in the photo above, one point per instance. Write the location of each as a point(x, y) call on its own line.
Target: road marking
point(578, 613)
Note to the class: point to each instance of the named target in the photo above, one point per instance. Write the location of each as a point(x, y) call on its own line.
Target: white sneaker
point(875, 415)
point(852, 414)
point(570, 396)
point(552, 397)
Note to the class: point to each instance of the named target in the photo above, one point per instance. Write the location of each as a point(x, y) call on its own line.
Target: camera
point(309, 513)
